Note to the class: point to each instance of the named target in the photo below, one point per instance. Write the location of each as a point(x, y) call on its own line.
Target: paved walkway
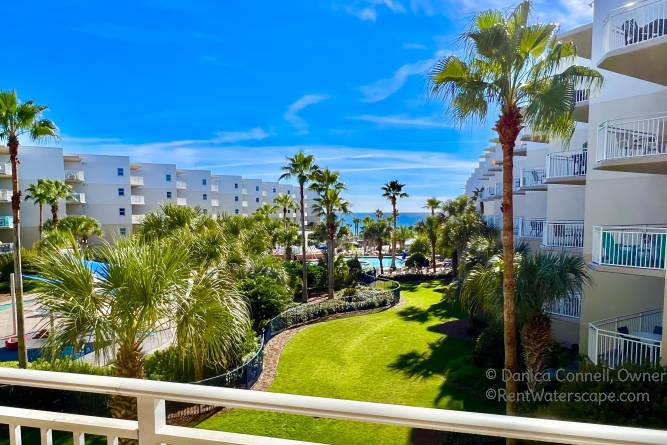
point(33, 319)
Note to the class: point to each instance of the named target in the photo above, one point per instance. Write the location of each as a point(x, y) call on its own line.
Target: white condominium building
point(601, 195)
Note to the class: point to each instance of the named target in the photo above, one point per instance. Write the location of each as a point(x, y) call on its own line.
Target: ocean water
point(404, 219)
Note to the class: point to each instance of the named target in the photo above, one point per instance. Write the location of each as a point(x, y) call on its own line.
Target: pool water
point(372, 262)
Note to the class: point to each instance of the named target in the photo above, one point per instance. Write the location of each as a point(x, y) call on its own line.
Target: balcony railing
point(77, 198)
point(493, 191)
point(569, 306)
point(640, 247)
point(215, 203)
point(136, 180)
point(581, 95)
point(138, 219)
point(531, 228)
point(214, 187)
point(494, 221)
point(632, 138)
point(181, 185)
point(564, 234)
point(137, 200)
point(5, 169)
point(534, 177)
point(566, 164)
point(74, 176)
point(6, 222)
point(151, 425)
point(632, 338)
point(635, 23)
point(5, 195)
point(6, 247)
point(181, 201)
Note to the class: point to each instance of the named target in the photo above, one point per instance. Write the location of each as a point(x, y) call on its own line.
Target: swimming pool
point(372, 262)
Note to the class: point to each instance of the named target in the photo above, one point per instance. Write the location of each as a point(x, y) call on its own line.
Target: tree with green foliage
point(461, 221)
point(57, 191)
point(286, 204)
point(356, 222)
point(377, 232)
point(267, 295)
point(529, 75)
point(417, 261)
point(39, 194)
point(393, 191)
point(430, 228)
point(20, 119)
point(433, 204)
point(81, 227)
point(402, 234)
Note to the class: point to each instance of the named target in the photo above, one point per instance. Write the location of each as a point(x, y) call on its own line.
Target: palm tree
point(328, 203)
point(379, 214)
point(430, 227)
point(356, 221)
point(461, 221)
point(266, 210)
point(542, 278)
point(433, 204)
point(81, 227)
point(376, 232)
point(393, 191)
point(286, 203)
point(403, 233)
point(526, 73)
point(38, 193)
point(145, 288)
point(56, 191)
point(19, 119)
point(302, 167)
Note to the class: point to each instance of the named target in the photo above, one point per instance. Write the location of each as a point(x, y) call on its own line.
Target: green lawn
point(396, 356)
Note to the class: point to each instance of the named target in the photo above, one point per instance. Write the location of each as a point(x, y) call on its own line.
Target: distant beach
point(404, 219)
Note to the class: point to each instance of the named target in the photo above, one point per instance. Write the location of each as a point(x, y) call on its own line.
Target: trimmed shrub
point(267, 297)
point(417, 260)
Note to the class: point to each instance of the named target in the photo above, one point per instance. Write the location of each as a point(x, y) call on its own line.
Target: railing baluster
point(112, 440)
point(15, 435)
point(78, 438)
point(46, 436)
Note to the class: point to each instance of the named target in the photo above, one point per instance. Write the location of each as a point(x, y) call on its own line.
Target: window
point(256, 199)
point(123, 231)
point(168, 177)
point(204, 196)
point(121, 211)
point(236, 211)
point(256, 188)
point(236, 198)
point(236, 185)
point(203, 181)
point(289, 192)
point(121, 191)
point(120, 171)
point(274, 189)
point(168, 195)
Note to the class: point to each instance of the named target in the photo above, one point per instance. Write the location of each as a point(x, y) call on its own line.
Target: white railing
point(566, 164)
point(74, 175)
point(632, 138)
point(151, 426)
point(77, 198)
point(6, 169)
point(516, 226)
point(181, 201)
point(569, 306)
point(493, 191)
point(215, 203)
point(532, 228)
point(6, 247)
point(532, 177)
point(581, 95)
point(640, 247)
point(632, 338)
point(136, 180)
point(5, 195)
point(214, 187)
point(494, 221)
point(517, 184)
point(635, 23)
point(138, 219)
point(564, 234)
point(181, 185)
point(137, 200)
point(6, 222)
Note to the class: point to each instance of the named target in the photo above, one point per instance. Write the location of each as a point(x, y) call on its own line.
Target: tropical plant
point(38, 193)
point(20, 119)
point(461, 221)
point(143, 289)
point(57, 190)
point(376, 232)
point(541, 278)
point(266, 210)
point(433, 204)
point(302, 167)
point(285, 203)
point(402, 234)
point(328, 203)
point(528, 74)
point(379, 214)
point(393, 191)
point(430, 228)
point(267, 296)
point(81, 227)
point(356, 221)
point(169, 219)
point(416, 261)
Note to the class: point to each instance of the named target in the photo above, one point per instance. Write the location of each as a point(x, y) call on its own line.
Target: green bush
point(417, 260)
point(488, 352)
point(63, 365)
point(420, 245)
point(267, 297)
point(355, 270)
point(349, 292)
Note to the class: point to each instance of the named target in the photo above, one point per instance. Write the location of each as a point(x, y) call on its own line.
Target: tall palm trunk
point(331, 253)
point(394, 215)
point(433, 256)
point(304, 261)
point(508, 127)
point(41, 219)
point(129, 363)
point(13, 145)
point(288, 248)
point(380, 257)
point(54, 213)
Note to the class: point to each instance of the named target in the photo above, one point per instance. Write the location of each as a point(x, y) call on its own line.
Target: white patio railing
point(138, 219)
point(569, 306)
point(634, 23)
point(137, 199)
point(6, 247)
point(566, 164)
point(564, 234)
point(493, 220)
point(5, 195)
point(181, 185)
point(5, 169)
point(532, 228)
point(632, 338)
point(136, 180)
point(532, 177)
point(74, 175)
point(581, 95)
point(632, 138)
point(151, 427)
point(493, 191)
point(77, 198)
point(181, 201)
point(630, 246)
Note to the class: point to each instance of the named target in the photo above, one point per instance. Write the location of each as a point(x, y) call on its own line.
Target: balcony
point(181, 185)
point(633, 145)
point(516, 188)
point(6, 248)
point(151, 426)
point(5, 169)
point(565, 234)
point(521, 149)
point(582, 37)
point(639, 247)
point(492, 192)
point(244, 191)
point(215, 203)
point(533, 179)
point(529, 227)
point(5, 195)
point(6, 222)
point(181, 201)
point(214, 187)
point(136, 181)
point(76, 198)
point(138, 219)
point(580, 112)
point(74, 176)
point(568, 167)
point(634, 40)
point(632, 338)
point(495, 221)
point(568, 307)
point(137, 200)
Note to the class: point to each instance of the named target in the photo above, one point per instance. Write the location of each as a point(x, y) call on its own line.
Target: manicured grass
point(397, 356)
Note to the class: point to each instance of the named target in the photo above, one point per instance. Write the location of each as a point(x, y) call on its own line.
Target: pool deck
point(33, 319)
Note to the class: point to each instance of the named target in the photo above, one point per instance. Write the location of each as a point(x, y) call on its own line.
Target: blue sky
point(234, 86)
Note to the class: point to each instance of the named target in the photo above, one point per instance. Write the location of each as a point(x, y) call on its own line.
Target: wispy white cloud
point(367, 10)
point(292, 113)
point(402, 120)
point(413, 45)
point(231, 137)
